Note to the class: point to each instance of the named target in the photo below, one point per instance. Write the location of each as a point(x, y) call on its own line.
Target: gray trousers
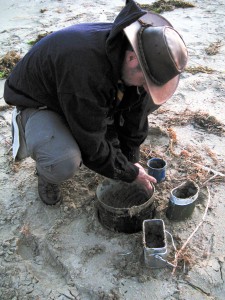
point(45, 137)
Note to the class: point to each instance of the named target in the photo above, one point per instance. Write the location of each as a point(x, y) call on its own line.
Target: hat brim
point(158, 93)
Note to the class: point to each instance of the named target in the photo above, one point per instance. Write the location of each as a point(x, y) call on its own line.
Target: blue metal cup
point(157, 168)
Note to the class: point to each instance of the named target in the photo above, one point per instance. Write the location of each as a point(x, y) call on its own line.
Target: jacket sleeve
point(132, 125)
point(88, 122)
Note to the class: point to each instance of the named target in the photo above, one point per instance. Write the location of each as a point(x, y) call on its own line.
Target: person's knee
point(61, 170)
point(67, 168)
point(52, 146)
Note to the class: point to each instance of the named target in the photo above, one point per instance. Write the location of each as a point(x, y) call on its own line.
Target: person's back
point(62, 63)
point(83, 94)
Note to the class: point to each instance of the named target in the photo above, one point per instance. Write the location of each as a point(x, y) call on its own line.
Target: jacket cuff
point(128, 175)
point(134, 155)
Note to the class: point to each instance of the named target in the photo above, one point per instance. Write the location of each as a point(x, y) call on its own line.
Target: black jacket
point(75, 72)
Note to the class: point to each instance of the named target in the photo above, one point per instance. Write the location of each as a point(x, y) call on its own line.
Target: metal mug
point(157, 168)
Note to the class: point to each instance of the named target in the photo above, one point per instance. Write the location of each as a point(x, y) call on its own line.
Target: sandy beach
point(64, 252)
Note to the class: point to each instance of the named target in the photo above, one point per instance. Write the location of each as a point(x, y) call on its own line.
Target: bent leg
point(51, 144)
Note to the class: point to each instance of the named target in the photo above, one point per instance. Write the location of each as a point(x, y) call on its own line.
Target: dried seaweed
point(4, 107)
point(208, 123)
point(213, 48)
point(39, 37)
point(8, 62)
point(199, 69)
point(172, 135)
point(163, 5)
point(43, 10)
point(198, 119)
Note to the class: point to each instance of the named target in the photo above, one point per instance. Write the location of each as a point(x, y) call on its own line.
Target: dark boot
point(49, 193)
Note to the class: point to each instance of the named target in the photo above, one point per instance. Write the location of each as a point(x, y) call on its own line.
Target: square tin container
point(155, 244)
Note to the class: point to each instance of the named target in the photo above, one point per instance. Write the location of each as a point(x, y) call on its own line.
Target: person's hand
point(143, 178)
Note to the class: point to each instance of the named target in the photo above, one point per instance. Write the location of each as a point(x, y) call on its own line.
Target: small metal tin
point(182, 201)
point(155, 244)
point(157, 168)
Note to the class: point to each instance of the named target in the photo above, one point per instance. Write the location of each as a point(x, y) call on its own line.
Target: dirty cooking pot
point(122, 206)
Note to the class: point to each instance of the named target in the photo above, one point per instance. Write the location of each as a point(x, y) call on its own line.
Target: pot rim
point(135, 209)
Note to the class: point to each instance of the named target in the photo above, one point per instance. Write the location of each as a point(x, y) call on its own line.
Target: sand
point(64, 252)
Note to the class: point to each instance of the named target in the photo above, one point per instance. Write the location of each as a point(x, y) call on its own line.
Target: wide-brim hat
point(161, 52)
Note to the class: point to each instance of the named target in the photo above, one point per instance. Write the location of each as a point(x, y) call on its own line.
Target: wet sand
point(63, 252)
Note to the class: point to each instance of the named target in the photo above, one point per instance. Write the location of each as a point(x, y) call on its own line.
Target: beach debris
point(213, 48)
point(211, 154)
point(8, 62)
point(199, 69)
point(4, 107)
point(209, 170)
point(172, 134)
point(208, 123)
point(165, 5)
point(43, 10)
point(39, 37)
point(198, 119)
point(185, 153)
